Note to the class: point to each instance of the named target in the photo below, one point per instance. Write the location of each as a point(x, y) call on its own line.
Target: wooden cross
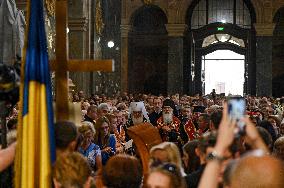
point(62, 64)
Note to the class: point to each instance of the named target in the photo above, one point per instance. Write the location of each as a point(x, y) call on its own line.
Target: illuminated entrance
point(223, 70)
point(221, 42)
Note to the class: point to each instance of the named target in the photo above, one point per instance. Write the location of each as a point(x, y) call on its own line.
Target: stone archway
point(177, 12)
point(277, 54)
point(182, 9)
point(235, 25)
point(148, 52)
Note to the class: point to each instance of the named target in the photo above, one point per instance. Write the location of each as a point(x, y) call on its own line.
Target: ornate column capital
point(264, 29)
point(176, 30)
point(124, 29)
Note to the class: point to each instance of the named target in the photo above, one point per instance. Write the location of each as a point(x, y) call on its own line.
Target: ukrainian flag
point(36, 145)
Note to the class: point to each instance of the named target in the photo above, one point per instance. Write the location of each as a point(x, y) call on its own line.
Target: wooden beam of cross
point(62, 64)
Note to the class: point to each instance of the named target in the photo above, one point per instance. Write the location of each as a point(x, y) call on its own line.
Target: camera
point(237, 110)
point(9, 84)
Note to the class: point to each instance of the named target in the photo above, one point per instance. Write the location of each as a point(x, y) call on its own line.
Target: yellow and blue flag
point(36, 142)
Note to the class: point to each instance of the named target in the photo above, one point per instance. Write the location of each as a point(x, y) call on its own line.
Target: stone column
point(124, 57)
point(264, 33)
point(79, 48)
point(175, 57)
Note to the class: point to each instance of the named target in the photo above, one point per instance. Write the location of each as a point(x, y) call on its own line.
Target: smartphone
point(237, 110)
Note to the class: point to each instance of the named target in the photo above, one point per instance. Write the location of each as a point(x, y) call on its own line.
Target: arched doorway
point(148, 51)
point(220, 25)
point(278, 55)
point(226, 82)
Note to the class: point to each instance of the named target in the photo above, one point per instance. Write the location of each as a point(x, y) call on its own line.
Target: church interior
point(141, 93)
point(168, 46)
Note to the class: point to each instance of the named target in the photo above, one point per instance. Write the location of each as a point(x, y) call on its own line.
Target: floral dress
point(91, 153)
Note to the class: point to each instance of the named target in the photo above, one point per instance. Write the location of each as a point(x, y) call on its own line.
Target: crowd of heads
point(94, 151)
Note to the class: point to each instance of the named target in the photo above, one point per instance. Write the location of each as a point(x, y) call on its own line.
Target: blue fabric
point(112, 144)
point(91, 154)
point(86, 152)
point(36, 66)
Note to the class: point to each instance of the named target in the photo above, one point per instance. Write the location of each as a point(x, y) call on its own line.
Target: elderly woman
point(87, 148)
point(104, 139)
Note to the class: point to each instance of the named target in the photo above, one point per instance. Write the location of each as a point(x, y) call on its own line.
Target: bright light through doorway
point(224, 72)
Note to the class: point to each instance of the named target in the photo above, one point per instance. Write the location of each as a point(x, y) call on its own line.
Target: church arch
point(217, 8)
point(234, 18)
point(278, 19)
point(148, 51)
point(130, 8)
point(277, 54)
point(148, 17)
point(255, 7)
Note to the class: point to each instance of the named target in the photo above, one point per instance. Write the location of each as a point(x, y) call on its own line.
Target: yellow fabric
point(19, 152)
point(35, 158)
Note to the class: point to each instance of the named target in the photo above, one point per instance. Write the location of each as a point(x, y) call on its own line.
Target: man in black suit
point(154, 116)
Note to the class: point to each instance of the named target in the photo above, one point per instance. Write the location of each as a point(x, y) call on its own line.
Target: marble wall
point(175, 65)
point(264, 66)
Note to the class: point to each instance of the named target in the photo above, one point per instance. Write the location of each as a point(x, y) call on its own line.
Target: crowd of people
point(201, 146)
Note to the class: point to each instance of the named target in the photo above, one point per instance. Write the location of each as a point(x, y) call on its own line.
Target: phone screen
point(237, 110)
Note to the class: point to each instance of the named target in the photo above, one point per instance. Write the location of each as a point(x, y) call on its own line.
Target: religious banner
point(36, 140)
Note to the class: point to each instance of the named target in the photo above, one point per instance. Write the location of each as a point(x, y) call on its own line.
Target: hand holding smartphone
point(236, 111)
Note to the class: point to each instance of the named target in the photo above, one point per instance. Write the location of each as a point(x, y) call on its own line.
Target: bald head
point(261, 172)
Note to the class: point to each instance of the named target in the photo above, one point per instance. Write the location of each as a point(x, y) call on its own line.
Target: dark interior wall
point(148, 51)
point(148, 69)
point(278, 54)
point(187, 79)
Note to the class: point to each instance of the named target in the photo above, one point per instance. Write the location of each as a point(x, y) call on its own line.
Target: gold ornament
point(99, 18)
point(50, 7)
point(147, 2)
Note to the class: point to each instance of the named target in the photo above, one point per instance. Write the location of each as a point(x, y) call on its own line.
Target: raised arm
point(224, 140)
point(7, 156)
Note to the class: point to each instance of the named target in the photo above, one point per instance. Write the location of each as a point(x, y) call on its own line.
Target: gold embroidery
point(99, 18)
point(147, 2)
point(50, 7)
